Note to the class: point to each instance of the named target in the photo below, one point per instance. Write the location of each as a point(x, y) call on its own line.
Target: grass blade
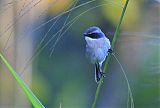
point(32, 98)
point(109, 56)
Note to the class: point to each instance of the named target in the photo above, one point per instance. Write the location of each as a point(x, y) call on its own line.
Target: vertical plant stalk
point(109, 56)
point(32, 98)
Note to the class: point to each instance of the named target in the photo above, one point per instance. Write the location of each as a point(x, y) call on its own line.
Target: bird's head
point(94, 33)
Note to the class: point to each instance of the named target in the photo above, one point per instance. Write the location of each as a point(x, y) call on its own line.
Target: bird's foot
point(110, 51)
point(103, 74)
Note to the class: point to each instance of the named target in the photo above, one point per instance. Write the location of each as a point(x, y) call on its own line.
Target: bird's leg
point(101, 72)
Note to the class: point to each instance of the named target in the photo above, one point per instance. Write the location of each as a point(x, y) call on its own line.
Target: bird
point(97, 48)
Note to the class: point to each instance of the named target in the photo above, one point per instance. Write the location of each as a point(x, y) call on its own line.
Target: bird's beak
point(85, 34)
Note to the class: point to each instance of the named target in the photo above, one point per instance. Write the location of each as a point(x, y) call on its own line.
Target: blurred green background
point(55, 66)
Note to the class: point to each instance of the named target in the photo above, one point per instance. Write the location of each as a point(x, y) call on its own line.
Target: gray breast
point(97, 49)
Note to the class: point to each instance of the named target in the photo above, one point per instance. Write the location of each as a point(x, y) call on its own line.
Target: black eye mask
point(94, 35)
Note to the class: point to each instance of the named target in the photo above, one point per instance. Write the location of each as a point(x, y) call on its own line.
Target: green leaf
point(32, 98)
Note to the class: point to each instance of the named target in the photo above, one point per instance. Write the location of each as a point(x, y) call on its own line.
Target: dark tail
point(98, 72)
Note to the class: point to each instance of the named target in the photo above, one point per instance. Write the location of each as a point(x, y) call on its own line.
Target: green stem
point(109, 56)
point(33, 99)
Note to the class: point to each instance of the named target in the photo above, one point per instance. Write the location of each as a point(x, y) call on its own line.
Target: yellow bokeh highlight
point(112, 13)
point(58, 5)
